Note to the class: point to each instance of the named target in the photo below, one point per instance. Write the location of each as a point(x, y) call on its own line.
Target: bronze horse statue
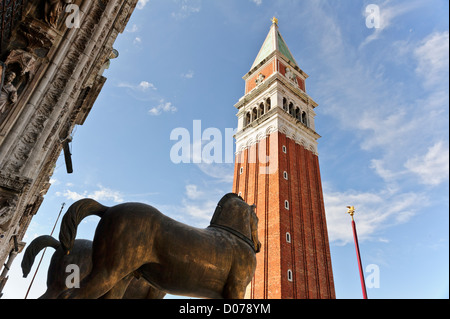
point(134, 239)
point(80, 256)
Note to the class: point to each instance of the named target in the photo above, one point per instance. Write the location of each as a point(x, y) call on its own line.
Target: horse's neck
point(242, 232)
point(241, 226)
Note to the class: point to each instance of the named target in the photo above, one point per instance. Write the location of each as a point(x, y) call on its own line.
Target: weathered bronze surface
point(136, 239)
point(81, 256)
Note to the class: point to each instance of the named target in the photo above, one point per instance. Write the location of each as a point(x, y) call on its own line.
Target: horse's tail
point(34, 248)
point(74, 215)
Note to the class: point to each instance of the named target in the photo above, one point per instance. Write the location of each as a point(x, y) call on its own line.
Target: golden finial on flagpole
point(351, 210)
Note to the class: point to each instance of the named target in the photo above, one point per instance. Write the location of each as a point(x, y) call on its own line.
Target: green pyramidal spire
point(274, 42)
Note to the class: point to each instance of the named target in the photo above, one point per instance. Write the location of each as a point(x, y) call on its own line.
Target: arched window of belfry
point(254, 114)
point(268, 102)
point(248, 119)
point(304, 121)
point(261, 109)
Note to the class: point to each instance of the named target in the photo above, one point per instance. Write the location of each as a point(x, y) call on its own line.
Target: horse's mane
point(219, 206)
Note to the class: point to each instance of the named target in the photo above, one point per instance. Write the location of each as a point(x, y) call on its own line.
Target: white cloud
point(188, 75)
point(330, 39)
point(433, 58)
point(137, 41)
point(379, 167)
point(72, 195)
point(163, 107)
point(196, 206)
point(387, 15)
point(186, 8)
point(396, 125)
point(107, 194)
point(380, 114)
point(202, 212)
point(192, 192)
point(200, 203)
point(377, 121)
point(101, 194)
point(257, 2)
point(141, 4)
point(221, 172)
point(146, 91)
point(432, 167)
point(375, 212)
point(144, 85)
point(132, 29)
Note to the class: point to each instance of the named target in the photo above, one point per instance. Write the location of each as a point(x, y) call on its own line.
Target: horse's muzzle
point(258, 247)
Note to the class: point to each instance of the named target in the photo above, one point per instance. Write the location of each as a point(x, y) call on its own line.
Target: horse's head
point(234, 214)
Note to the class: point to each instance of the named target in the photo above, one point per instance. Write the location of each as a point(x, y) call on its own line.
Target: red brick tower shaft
point(277, 168)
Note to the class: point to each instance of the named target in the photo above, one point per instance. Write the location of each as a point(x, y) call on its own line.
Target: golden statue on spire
point(275, 20)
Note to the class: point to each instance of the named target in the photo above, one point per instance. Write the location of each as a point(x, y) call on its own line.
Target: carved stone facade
point(53, 54)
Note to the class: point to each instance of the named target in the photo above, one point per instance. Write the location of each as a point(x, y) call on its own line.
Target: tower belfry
point(277, 168)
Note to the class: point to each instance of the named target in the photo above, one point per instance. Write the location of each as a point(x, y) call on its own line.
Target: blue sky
point(383, 117)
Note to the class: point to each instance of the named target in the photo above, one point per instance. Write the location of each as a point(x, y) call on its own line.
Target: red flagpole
point(351, 211)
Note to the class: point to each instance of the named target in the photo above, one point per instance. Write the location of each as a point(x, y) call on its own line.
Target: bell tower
point(277, 168)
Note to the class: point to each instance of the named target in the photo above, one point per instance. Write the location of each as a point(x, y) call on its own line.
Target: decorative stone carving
point(38, 36)
point(7, 208)
point(24, 59)
point(53, 10)
point(8, 94)
point(290, 75)
point(53, 95)
point(19, 67)
point(17, 184)
point(260, 79)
